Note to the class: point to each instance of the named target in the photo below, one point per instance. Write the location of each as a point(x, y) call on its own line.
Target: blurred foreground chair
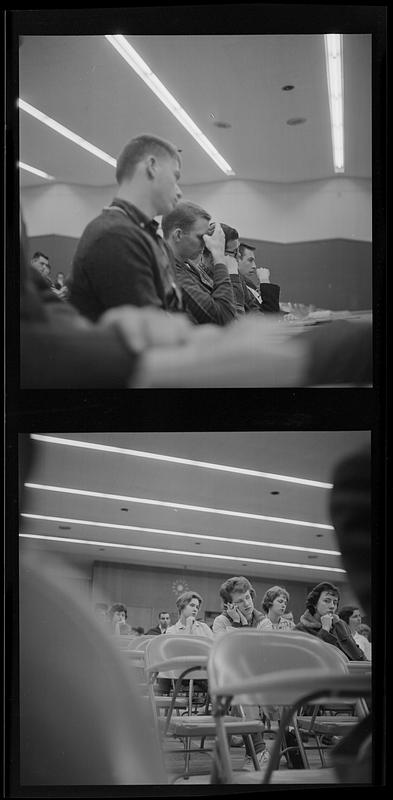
point(249, 667)
point(82, 721)
point(185, 657)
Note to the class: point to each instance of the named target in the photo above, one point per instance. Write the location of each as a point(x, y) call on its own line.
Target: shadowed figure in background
point(350, 511)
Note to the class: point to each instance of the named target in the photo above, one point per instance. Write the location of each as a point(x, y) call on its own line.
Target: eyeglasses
point(234, 253)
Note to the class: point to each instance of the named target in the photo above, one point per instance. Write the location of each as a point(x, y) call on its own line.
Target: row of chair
point(252, 668)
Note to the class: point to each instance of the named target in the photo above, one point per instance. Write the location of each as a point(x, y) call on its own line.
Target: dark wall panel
point(332, 273)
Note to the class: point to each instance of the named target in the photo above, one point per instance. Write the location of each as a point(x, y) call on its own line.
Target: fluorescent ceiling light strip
point(334, 68)
point(182, 506)
point(105, 448)
point(35, 171)
point(226, 539)
point(56, 126)
point(178, 552)
point(123, 47)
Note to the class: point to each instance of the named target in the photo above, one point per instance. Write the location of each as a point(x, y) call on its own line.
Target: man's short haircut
point(117, 607)
point(183, 216)
point(163, 612)
point(346, 612)
point(184, 599)
point(38, 254)
point(271, 594)
point(229, 233)
point(136, 150)
point(314, 595)
point(244, 246)
point(237, 584)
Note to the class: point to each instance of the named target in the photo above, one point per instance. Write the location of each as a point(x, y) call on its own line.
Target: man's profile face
point(164, 620)
point(42, 265)
point(191, 244)
point(248, 267)
point(167, 192)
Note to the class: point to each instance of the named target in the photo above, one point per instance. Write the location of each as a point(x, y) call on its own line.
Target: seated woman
point(188, 605)
point(352, 616)
point(320, 619)
point(117, 615)
point(274, 604)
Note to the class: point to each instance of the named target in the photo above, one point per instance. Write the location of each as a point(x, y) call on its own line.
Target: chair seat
point(328, 725)
point(203, 725)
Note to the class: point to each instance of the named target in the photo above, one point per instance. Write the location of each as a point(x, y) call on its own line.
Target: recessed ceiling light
point(35, 171)
point(296, 121)
point(73, 137)
point(105, 448)
point(275, 492)
point(177, 552)
point(183, 506)
point(319, 535)
point(134, 60)
point(182, 534)
point(222, 124)
point(64, 527)
point(312, 556)
point(288, 87)
point(124, 509)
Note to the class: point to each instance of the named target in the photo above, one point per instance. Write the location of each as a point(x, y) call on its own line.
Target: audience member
point(365, 631)
point(40, 262)
point(120, 257)
point(260, 294)
point(238, 599)
point(274, 604)
point(118, 615)
point(238, 596)
point(320, 619)
point(61, 287)
point(188, 605)
point(164, 620)
point(208, 298)
point(352, 616)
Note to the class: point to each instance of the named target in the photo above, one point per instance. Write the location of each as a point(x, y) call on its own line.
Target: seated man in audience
point(274, 604)
point(42, 278)
point(207, 298)
point(352, 616)
point(118, 615)
point(188, 605)
point(320, 619)
point(238, 597)
point(164, 620)
point(120, 258)
point(261, 295)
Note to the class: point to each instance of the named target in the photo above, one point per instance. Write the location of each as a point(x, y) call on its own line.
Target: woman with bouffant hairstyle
point(274, 605)
point(320, 619)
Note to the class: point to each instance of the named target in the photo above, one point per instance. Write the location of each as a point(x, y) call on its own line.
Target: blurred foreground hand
point(141, 328)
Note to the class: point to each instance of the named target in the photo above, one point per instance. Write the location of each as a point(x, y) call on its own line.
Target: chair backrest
point(173, 653)
point(241, 660)
point(124, 642)
point(140, 642)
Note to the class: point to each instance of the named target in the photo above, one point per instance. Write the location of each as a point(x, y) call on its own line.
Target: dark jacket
point(339, 635)
point(121, 260)
point(154, 631)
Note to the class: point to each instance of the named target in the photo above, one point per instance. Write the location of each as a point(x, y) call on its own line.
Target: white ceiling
point(307, 455)
point(83, 83)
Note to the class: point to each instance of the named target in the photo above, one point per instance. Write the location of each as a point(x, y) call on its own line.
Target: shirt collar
point(136, 215)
